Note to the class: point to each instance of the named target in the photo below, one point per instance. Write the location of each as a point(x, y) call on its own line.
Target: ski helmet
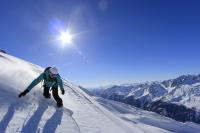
point(53, 70)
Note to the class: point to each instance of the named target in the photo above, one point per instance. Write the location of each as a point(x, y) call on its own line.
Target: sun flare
point(66, 38)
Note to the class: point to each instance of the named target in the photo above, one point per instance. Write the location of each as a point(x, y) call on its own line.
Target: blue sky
point(117, 41)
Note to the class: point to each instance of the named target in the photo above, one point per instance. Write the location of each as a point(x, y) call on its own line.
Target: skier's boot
point(48, 96)
point(59, 104)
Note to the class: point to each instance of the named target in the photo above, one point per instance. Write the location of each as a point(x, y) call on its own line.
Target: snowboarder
point(51, 81)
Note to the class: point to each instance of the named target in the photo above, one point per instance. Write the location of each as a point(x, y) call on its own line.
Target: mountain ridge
point(181, 92)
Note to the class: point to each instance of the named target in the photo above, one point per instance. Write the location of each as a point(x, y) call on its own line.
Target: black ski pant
point(46, 94)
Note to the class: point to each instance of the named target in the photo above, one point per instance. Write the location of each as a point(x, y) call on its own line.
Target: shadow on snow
point(51, 124)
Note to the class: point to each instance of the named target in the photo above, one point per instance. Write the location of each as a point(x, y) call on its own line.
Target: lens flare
point(66, 38)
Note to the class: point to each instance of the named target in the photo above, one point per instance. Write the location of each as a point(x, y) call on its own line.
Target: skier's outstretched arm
point(34, 83)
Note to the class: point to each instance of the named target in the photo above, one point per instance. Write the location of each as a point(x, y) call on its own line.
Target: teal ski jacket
point(48, 82)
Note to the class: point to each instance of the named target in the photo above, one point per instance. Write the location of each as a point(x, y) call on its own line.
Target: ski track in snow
point(77, 95)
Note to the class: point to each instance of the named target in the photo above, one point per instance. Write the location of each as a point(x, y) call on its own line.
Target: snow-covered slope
point(33, 113)
point(146, 118)
point(81, 113)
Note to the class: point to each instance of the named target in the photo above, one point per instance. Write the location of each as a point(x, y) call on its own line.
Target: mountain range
point(177, 98)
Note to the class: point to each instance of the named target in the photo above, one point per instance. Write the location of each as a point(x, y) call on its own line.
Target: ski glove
point(63, 91)
point(23, 93)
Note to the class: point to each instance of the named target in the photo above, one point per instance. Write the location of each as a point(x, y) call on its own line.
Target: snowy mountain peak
point(182, 80)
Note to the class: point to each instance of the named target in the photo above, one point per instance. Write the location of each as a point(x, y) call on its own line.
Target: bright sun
point(66, 38)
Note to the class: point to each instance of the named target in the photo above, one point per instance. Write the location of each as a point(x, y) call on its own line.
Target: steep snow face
point(33, 113)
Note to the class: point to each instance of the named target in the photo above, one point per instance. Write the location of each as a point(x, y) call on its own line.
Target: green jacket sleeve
point(35, 82)
point(60, 82)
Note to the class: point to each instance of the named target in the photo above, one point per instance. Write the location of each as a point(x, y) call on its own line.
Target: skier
point(51, 80)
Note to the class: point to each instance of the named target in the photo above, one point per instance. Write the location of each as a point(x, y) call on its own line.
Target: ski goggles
point(53, 75)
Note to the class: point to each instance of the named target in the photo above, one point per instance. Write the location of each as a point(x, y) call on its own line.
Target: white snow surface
point(80, 114)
